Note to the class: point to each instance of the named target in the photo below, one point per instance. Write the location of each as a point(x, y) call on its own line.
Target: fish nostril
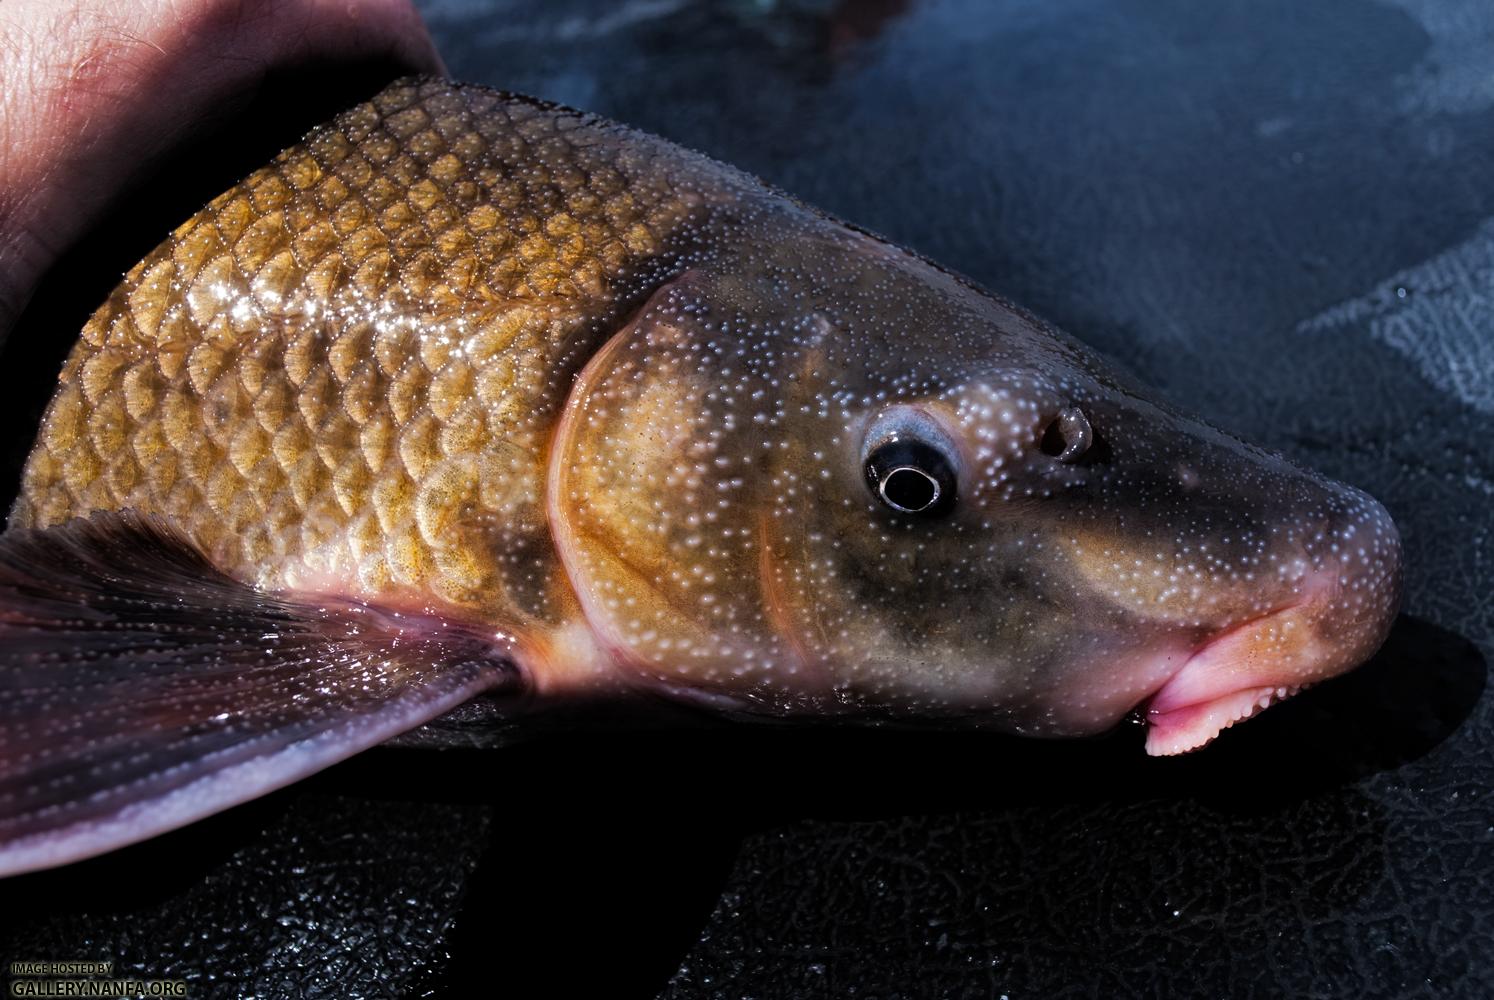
point(1069, 436)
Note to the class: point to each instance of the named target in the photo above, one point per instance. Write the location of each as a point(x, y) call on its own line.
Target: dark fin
point(142, 689)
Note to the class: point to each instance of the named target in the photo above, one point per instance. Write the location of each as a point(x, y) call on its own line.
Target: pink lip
point(1192, 726)
point(1243, 670)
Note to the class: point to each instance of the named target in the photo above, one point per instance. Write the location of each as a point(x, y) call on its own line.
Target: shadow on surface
point(608, 850)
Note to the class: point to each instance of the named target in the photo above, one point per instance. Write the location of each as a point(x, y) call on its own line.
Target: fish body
point(512, 398)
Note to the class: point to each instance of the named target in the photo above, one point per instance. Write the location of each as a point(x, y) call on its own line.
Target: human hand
point(94, 93)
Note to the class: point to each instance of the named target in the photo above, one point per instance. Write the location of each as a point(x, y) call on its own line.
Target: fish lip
point(1195, 725)
point(1203, 697)
point(1167, 698)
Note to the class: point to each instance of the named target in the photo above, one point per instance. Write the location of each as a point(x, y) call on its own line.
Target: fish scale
point(346, 366)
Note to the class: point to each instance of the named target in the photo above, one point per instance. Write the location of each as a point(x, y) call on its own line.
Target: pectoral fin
point(142, 689)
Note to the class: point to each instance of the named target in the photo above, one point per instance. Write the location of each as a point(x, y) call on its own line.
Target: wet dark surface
point(1278, 213)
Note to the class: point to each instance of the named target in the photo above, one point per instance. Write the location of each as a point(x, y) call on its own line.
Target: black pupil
point(909, 489)
point(911, 477)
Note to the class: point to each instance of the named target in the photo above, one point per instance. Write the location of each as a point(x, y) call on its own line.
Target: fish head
point(821, 475)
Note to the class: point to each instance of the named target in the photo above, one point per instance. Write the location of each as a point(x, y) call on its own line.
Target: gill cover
point(653, 507)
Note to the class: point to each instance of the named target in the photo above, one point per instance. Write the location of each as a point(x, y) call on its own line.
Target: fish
point(471, 395)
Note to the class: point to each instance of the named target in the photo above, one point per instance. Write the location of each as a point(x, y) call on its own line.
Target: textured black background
point(1278, 213)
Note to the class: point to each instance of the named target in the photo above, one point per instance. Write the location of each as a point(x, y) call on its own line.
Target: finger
point(96, 92)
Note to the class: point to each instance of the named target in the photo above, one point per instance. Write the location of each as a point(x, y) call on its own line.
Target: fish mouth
point(1172, 731)
point(1245, 668)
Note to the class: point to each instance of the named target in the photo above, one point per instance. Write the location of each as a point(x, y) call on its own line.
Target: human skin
point(95, 95)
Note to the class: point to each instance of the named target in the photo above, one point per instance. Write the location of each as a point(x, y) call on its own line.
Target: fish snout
point(1365, 554)
point(1333, 617)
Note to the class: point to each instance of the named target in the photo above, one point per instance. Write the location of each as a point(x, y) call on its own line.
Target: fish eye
point(911, 476)
point(1069, 436)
